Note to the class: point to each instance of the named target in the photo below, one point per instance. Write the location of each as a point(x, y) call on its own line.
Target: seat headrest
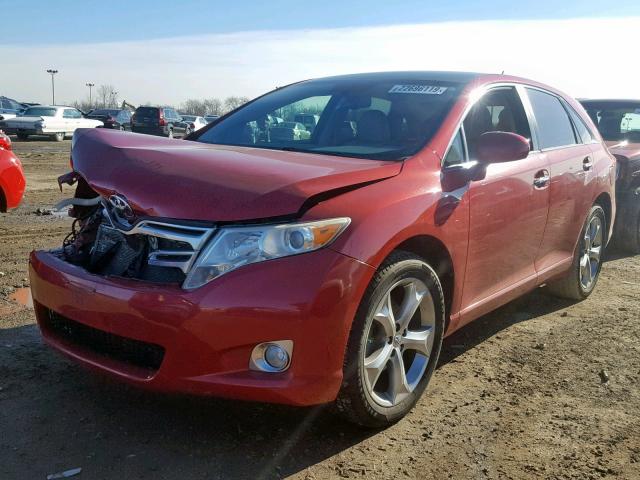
point(373, 127)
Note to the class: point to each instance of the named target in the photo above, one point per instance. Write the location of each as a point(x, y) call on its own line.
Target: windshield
point(387, 119)
point(40, 112)
point(616, 121)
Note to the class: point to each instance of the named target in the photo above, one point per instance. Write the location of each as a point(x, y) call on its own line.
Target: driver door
point(508, 210)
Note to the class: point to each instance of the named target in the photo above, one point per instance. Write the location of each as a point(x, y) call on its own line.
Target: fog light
point(276, 357)
point(271, 356)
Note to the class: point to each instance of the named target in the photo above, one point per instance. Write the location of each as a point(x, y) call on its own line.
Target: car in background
point(327, 269)
point(161, 121)
point(309, 120)
point(194, 123)
point(10, 108)
point(289, 131)
point(211, 118)
point(618, 122)
point(12, 181)
point(113, 118)
point(53, 121)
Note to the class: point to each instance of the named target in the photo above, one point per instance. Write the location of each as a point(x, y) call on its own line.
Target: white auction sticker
point(418, 89)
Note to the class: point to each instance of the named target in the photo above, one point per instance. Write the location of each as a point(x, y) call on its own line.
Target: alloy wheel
point(591, 253)
point(399, 342)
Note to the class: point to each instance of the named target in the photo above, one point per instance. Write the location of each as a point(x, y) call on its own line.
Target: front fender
point(386, 214)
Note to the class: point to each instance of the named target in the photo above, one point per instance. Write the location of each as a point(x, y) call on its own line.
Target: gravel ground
point(541, 388)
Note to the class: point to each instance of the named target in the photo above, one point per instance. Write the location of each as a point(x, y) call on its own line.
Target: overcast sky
point(586, 57)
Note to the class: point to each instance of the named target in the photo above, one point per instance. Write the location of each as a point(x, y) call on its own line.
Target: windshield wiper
point(370, 156)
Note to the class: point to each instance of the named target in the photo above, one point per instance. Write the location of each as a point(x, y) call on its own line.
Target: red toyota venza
point(305, 263)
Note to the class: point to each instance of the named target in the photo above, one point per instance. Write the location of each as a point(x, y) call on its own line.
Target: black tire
point(354, 401)
point(570, 286)
point(170, 133)
point(121, 128)
point(627, 226)
point(23, 136)
point(58, 137)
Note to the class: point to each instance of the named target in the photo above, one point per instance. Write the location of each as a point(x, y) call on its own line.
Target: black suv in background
point(163, 121)
point(112, 118)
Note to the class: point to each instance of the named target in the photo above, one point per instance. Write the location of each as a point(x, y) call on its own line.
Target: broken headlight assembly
point(234, 247)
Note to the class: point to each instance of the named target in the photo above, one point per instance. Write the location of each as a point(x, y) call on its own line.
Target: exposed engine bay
point(105, 243)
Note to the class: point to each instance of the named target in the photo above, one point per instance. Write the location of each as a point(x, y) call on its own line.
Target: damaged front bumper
point(162, 337)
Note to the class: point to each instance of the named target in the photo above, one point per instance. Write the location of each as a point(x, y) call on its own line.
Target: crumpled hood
point(628, 150)
point(181, 179)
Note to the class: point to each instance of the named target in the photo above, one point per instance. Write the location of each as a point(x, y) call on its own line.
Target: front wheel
point(58, 137)
point(394, 343)
point(23, 136)
point(581, 279)
point(170, 134)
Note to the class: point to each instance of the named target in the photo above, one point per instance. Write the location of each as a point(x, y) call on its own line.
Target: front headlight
point(233, 247)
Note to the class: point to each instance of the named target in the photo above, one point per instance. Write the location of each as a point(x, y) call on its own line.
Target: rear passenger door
point(71, 120)
point(508, 209)
point(570, 166)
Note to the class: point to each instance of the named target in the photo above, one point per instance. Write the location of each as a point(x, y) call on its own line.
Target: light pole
point(52, 72)
point(90, 85)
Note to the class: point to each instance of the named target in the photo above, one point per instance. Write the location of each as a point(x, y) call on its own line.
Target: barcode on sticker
point(419, 89)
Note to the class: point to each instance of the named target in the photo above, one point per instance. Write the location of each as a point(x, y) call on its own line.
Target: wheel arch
point(604, 200)
point(436, 254)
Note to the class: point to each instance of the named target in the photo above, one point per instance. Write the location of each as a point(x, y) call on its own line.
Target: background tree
point(106, 96)
point(214, 106)
point(231, 103)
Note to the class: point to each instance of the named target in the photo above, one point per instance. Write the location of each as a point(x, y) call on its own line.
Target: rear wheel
point(581, 279)
point(394, 343)
point(58, 137)
point(23, 136)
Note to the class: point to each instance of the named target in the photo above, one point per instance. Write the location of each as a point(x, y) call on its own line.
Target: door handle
point(587, 164)
point(542, 179)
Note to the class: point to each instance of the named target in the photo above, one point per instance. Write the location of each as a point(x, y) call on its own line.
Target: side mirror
point(498, 147)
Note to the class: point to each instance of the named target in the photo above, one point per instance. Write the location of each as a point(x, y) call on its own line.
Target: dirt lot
point(519, 394)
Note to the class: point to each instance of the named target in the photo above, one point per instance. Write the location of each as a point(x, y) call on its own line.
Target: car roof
point(595, 102)
point(476, 78)
point(462, 77)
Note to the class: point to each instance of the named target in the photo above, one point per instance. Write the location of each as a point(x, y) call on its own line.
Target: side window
point(581, 128)
point(499, 110)
point(455, 155)
point(67, 113)
point(554, 126)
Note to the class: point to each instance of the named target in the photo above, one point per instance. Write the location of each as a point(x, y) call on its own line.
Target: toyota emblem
point(121, 206)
